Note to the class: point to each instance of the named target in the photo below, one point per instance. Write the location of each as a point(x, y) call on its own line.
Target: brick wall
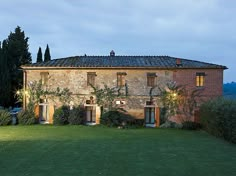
point(213, 83)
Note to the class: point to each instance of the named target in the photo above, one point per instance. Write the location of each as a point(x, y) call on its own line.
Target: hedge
point(218, 117)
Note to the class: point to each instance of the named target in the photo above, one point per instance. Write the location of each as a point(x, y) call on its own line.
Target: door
point(149, 115)
point(90, 114)
point(43, 112)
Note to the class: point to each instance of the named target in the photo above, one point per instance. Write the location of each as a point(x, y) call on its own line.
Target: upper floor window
point(91, 78)
point(121, 79)
point(151, 79)
point(44, 78)
point(200, 78)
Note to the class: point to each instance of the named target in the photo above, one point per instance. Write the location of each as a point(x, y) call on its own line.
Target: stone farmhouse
point(133, 75)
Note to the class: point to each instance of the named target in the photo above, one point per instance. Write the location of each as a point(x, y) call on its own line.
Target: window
point(90, 114)
point(121, 79)
point(150, 115)
point(44, 77)
point(151, 77)
point(91, 78)
point(200, 79)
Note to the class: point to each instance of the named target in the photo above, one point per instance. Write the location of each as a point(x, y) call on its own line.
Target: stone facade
point(136, 80)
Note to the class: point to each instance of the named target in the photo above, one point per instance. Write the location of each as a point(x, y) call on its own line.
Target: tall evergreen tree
point(47, 56)
point(5, 79)
point(14, 53)
point(39, 56)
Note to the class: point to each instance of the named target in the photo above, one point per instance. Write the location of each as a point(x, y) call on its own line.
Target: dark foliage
point(117, 119)
point(76, 116)
point(162, 115)
point(230, 90)
point(5, 117)
point(47, 56)
point(60, 116)
point(189, 125)
point(39, 56)
point(14, 53)
point(5, 84)
point(218, 117)
point(26, 117)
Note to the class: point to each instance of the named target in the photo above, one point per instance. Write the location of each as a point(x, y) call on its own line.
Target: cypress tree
point(5, 79)
point(47, 56)
point(39, 56)
point(14, 54)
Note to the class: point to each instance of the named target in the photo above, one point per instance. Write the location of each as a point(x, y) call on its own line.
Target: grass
point(81, 150)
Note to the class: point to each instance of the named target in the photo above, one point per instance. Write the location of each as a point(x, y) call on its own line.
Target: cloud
point(193, 29)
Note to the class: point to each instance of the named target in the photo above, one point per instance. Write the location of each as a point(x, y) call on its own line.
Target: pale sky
point(201, 30)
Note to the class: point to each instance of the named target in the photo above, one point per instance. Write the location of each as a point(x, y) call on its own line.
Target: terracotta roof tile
point(123, 61)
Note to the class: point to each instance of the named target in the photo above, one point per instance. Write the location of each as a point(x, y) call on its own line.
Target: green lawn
point(80, 150)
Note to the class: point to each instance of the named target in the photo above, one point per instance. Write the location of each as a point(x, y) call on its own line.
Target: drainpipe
point(24, 89)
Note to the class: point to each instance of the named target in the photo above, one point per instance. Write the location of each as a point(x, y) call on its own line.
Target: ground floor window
point(149, 115)
point(90, 114)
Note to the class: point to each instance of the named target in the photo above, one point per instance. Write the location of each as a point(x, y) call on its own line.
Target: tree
point(5, 80)
point(47, 56)
point(14, 54)
point(105, 97)
point(39, 56)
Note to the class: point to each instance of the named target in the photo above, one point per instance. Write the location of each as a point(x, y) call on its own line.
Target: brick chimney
point(178, 62)
point(112, 53)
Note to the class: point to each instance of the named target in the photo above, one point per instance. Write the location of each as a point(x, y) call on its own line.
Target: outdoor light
point(18, 92)
point(174, 94)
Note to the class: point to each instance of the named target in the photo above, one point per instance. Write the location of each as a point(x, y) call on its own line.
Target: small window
point(200, 77)
point(91, 78)
point(121, 79)
point(44, 77)
point(151, 79)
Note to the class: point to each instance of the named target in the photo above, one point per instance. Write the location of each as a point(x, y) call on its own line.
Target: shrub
point(116, 119)
point(138, 122)
point(26, 117)
point(60, 116)
point(171, 124)
point(162, 115)
point(76, 116)
point(189, 125)
point(5, 117)
point(218, 117)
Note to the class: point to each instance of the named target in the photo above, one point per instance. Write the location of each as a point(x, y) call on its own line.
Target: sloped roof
point(122, 62)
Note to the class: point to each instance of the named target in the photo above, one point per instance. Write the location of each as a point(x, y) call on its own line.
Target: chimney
point(178, 62)
point(112, 53)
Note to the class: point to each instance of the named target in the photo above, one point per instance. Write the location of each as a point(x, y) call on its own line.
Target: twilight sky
point(201, 30)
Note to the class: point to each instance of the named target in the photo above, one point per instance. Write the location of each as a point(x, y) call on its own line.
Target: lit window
point(121, 79)
point(151, 77)
point(200, 79)
point(91, 78)
point(44, 77)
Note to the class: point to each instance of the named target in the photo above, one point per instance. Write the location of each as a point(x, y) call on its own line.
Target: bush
point(171, 124)
point(218, 117)
point(60, 116)
point(189, 125)
point(26, 117)
point(5, 117)
point(138, 122)
point(116, 119)
point(162, 115)
point(76, 116)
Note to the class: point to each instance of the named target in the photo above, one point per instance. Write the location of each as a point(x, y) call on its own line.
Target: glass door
point(149, 115)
